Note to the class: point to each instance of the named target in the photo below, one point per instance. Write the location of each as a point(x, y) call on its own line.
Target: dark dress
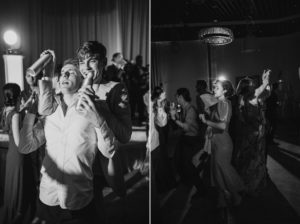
point(250, 158)
point(13, 189)
point(19, 187)
point(223, 175)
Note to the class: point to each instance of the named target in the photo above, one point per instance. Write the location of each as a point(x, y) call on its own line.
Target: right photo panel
point(225, 111)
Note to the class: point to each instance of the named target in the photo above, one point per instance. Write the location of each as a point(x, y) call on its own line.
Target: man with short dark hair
point(189, 143)
point(113, 96)
point(112, 103)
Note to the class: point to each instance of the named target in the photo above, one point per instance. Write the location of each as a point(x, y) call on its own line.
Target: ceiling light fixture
point(216, 35)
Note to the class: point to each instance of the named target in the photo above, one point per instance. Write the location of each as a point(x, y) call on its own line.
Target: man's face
point(179, 99)
point(119, 58)
point(120, 62)
point(30, 80)
point(91, 64)
point(70, 79)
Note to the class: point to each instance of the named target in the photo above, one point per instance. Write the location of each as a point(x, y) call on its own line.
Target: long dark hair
point(246, 89)
point(201, 86)
point(156, 92)
point(12, 93)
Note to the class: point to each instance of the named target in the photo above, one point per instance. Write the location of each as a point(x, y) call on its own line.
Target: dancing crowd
point(219, 146)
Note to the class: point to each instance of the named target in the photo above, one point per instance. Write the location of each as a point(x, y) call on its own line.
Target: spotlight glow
point(221, 78)
point(10, 37)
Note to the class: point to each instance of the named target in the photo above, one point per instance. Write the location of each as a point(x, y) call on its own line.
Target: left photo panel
point(74, 79)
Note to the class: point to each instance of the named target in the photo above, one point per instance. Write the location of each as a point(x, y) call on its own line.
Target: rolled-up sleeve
point(32, 135)
point(47, 104)
point(107, 143)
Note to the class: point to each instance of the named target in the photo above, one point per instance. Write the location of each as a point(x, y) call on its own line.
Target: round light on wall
point(216, 35)
point(10, 37)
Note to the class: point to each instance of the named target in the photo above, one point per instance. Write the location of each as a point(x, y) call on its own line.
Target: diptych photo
point(147, 111)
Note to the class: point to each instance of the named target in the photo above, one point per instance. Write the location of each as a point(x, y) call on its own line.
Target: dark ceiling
point(177, 20)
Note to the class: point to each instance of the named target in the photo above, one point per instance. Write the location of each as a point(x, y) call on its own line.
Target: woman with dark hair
point(161, 176)
point(159, 155)
point(223, 176)
point(250, 159)
point(13, 209)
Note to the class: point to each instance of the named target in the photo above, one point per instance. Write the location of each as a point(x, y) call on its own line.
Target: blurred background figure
point(115, 71)
point(138, 86)
point(272, 104)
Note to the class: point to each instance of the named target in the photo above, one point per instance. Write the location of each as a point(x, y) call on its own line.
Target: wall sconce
point(12, 39)
point(13, 60)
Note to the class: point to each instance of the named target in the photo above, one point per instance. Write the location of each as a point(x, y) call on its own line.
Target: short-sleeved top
point(222, 113)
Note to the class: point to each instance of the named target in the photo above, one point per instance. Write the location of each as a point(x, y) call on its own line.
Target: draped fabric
point(63, 25)
point(178, 64)
point(156, 78)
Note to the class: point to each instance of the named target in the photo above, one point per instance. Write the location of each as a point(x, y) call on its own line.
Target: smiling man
point(113, 96)
point(113, 104)
point(73, 137)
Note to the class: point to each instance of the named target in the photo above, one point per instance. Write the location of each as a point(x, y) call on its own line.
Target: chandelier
point(216, 35)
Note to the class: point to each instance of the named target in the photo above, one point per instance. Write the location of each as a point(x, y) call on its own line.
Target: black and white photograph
point(149, 112)
point(225, 78)
point(74, 120)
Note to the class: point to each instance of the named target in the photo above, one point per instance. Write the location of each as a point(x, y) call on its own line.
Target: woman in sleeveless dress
point(19, 185)
point(13, 188)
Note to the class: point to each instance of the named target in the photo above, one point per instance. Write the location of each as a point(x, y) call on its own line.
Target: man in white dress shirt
point(72, 138)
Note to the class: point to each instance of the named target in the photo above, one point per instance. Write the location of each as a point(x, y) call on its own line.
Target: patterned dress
point(250, 158)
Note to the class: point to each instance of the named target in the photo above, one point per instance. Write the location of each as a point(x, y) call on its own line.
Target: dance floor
point(278, 204)
point(134, 208)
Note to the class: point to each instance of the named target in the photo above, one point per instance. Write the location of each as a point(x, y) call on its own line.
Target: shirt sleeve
point(32, 135)
point(47, 103)
point(107, 143)
point(119, 119)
